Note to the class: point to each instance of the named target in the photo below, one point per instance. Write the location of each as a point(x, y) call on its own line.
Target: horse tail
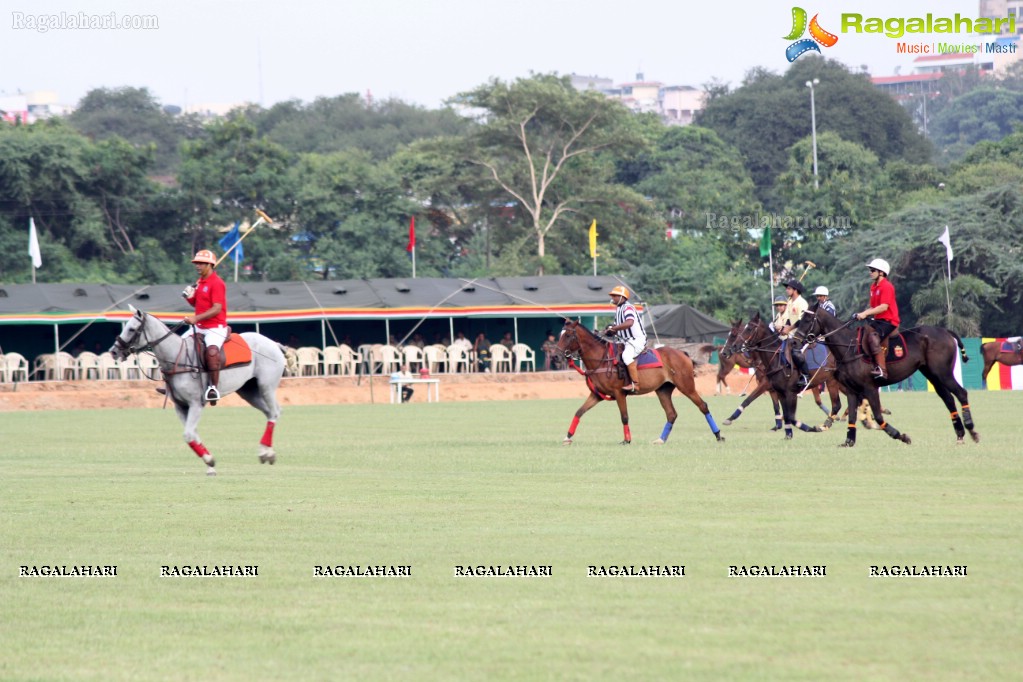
point(962, 347)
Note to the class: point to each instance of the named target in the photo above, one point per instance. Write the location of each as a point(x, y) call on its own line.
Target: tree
point(545, 144)
point(983, 114)
point(769, 113)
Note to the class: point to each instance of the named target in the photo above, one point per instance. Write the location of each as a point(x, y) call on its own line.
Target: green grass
point(440, 485)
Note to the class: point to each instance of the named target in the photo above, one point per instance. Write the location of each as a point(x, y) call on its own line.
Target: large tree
point(547, 146)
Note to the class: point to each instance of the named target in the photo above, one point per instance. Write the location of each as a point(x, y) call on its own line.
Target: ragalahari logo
point(817, 35)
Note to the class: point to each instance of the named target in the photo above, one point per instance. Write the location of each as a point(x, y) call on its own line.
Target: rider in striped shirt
point(629, 330)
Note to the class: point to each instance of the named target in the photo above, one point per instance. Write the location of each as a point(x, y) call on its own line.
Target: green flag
point(765, 243)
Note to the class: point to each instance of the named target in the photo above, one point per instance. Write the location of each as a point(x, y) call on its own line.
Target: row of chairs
point(66, 367)
point(381, 358)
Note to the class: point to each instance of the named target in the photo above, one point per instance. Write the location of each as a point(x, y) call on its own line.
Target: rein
point(606, 363)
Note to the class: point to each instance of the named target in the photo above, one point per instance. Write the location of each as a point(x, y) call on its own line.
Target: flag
point(230, 239)
point(765, 242)
point(411, 235)
point(944, 239)
point(33, 245)
point(593, 239)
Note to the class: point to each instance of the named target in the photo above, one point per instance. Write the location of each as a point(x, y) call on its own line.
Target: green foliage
point(983, 114)
point(934, 304)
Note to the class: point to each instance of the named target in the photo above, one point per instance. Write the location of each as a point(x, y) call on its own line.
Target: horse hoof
point(906, 439)
point(721, 439)
point(788, 436)
point(816, 429)
point(776, 428)
point(727, 422)
point(659, 441)
point(567, 441)
point(975, 437)
point(960, 441)
point(848, 444)
point(268, 458)
point(626, 442)
point(210, 471)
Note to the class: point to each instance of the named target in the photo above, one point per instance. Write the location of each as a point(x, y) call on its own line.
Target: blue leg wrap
point(710, 421)
point(666, 431)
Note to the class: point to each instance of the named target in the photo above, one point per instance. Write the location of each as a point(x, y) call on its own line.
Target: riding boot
point(213, 367)
point(633, 385)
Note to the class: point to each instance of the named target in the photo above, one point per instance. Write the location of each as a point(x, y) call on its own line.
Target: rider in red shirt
point(209, 296)
point(885, 312)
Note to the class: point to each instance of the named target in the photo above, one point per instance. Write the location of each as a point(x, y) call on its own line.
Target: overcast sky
point(421, 51)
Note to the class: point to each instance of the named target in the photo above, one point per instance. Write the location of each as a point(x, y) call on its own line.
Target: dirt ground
point(71, 395)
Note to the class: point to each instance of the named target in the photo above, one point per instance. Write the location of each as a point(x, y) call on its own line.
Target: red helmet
point(205, 256)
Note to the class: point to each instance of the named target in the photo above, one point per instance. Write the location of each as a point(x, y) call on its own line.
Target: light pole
point(813, 128)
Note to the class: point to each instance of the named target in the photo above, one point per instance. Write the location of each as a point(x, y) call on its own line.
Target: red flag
point(411, 235)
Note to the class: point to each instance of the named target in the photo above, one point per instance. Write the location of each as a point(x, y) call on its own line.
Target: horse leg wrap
point(666, 431)
point(198, 448)
point(736, 414)
point(710, 422)
point(788, 431)
point(268, 435)
point(573, 426)
point(890, 430)
point(967, 417)
point(627, 432)
point(850, 435)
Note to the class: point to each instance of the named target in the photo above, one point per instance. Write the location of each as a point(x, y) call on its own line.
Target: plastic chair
point(88, 365)
point(65, 367)
point(332, 362)
point(308, 361)
point(436, 357)
point(349, 359)
point(389, 358)
point(459, 359)
point(15, 367)
point(149, 367)
point(413, 356)
point(500, 357)
point(108, 367)
point(523, 355)
point(130, 368)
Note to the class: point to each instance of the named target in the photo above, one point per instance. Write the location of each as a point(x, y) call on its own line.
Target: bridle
point(131, 346)
point(576, 356)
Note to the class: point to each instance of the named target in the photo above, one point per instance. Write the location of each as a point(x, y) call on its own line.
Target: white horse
point(256, 381)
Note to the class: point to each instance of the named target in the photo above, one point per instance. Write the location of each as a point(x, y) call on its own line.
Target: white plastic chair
point(108, 367)
point(349, 359)
point(413, 356)
point(308, 361)
point(332, 362)
point(389, 358)
point(523, 355)
point(88, 365)
point(459, 359)
point(130, 368)
point(500, 357)
point(436, 357)
point(149, 367)
point(15, 367)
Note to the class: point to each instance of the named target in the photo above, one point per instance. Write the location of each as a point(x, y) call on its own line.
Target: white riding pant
point(214, 336)
point(633, 347)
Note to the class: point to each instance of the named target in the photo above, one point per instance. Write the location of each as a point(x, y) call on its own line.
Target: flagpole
point(413, 262)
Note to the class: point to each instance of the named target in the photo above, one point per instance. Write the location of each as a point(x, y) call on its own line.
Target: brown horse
point(931, 350)
point(992, 352)
point(601, 372)
point(727, 363)
point(822, 375)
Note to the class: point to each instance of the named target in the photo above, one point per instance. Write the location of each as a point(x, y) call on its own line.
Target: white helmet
point(821, 291)
point(879, 264)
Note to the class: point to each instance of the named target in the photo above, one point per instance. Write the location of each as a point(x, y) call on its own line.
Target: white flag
point(33, 245)
point(944, 239)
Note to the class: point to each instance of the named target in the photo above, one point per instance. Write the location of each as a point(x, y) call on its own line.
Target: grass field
point(441, 485)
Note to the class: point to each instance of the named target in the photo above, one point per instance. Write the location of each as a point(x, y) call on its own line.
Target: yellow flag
point(593, 239)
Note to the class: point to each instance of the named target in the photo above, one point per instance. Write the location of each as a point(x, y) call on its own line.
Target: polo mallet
point(809, 265)
point(263, 218)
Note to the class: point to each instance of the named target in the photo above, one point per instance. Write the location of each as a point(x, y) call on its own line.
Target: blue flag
point(230, 239)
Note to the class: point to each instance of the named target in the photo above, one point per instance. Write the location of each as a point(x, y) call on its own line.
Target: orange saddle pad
point(236, 351)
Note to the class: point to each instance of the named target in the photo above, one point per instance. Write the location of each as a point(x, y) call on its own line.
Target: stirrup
point(631, 388)
point(212, 394)
point(802, 382)
point(161, 390)
point(877, 372)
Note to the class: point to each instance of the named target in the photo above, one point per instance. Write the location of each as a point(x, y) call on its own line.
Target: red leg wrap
point(198, 448)
point(573, 427)
point(268, 435)
point(628, 433)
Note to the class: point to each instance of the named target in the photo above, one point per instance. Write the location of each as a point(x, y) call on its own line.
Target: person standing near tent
point(629, 330)
point(885, 312)
point(209, 296)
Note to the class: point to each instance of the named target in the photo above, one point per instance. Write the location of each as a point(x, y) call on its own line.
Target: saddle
point(648, 359)
point(816, 356)
point(1012, 347)
point(233, 353)
point(893, 346)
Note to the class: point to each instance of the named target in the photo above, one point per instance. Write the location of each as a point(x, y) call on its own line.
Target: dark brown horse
point(931, 350)
point(822, 375)
point(601, 372)
point(765, 348)
point(992, 352)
